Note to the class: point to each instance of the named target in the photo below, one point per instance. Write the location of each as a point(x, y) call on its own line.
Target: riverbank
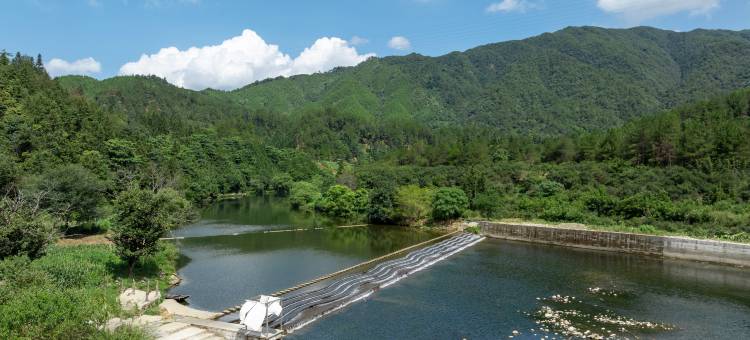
point(71, 292)
point(686, 248)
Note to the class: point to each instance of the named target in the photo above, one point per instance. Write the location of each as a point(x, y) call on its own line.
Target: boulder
point(137, 299)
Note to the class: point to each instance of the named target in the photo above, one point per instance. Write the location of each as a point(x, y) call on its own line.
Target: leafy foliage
point(142, 217)
point(340, 201)
point(70, 191)
point(449, 203)
point(24, 229)
point(413, 204)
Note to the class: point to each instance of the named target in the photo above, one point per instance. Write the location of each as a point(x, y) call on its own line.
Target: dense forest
point(577, 79)
point(639, 130)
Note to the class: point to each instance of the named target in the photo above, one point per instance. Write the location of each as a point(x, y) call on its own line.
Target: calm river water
point(486, 292)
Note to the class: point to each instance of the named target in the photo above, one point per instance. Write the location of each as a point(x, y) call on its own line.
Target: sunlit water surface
point(486, 292)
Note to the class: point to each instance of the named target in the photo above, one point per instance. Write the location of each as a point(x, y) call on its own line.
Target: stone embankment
point(667, 246)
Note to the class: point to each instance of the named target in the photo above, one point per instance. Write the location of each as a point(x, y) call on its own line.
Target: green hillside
point(576, 79)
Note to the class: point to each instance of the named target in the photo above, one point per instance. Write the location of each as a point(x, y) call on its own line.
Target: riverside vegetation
point(509, 130)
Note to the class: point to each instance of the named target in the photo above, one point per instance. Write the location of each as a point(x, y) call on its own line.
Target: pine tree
point(39, 63)
point(4, 58)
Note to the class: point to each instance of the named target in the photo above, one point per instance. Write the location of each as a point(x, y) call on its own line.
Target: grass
point(71, 291)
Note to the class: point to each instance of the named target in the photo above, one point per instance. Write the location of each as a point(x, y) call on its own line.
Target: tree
point(142, 217)
point(303, 195)
point(449, 203)
point(39, 63)
point(7, 172)
point(381, 206)
point(340, 201)
point(4, 58)
point(281, 184)
point(413, 204)
point(71, 192)
point(25, 230)
point(121, 153)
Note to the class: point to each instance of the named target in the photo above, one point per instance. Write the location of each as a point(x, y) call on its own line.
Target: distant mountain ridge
point(575, 79)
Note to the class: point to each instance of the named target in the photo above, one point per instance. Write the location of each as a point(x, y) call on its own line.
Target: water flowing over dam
point(306, 305)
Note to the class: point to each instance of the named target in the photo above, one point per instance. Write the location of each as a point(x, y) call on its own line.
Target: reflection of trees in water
point(364, 242)
point(264, 210)
point(373, 240)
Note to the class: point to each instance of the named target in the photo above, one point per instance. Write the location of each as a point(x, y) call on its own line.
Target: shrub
point(413, 204)
point(449, 203)
point(281, 184)
point(381, 208)
point(23, 229)
point(600, 202)
point(302, 195)
point(641, 205)
point(340, 201)
point(487, 203)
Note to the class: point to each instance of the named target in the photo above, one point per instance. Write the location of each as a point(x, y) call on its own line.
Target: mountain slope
point(576, 79)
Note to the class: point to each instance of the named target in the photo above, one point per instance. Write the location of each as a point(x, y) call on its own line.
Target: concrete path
point(183, 331)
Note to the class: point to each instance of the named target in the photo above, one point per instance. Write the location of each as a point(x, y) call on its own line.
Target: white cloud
point(399, 43)
point(325, 54)
point(241, 60)
point(640, 10)
point(86, 66)
point(94, 3)
point(507, 6)
point(357, 40)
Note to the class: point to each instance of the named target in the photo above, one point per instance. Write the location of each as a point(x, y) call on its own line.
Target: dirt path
point(83, 239)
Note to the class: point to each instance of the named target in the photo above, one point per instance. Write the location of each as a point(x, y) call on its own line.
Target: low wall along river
point(667, 246)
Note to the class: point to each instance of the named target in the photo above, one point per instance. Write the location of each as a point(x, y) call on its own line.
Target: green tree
point(121, 153)
point(303, 195)
point(281, 184)
point(339, 201)
point(413, 204)
point(24, 229)
point(142, 217)
point(71, 192)
point(39, 63)
point(8, 172)
point(449, 203)
point(381, 208)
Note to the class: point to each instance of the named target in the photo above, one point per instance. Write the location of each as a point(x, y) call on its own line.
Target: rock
point(174, 280)
point(137, 299)
point(113, 324)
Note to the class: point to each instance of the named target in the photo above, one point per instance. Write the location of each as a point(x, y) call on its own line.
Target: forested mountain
point(356, 127)
point(576, 79)
point(637, 130)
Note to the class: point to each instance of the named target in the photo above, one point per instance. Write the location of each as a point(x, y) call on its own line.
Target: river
point(486, 292)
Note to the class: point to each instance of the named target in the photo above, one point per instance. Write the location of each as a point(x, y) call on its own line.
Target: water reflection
point(251, 214)
point(222, 269)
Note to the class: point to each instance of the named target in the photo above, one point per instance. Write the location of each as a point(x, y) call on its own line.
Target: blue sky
point(105, 35)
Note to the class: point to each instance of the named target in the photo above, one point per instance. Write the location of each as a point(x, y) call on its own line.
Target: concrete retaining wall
point(674, 247)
